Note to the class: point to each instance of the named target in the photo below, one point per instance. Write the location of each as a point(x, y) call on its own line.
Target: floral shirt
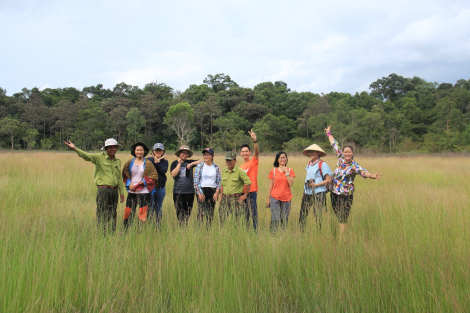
point(343, 177)
point(198, 176)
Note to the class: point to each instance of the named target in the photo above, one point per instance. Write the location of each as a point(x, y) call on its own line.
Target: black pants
point(136, 201)
point(342, 206)
point(183, 205)
point(206, 208)
point(230, 205)
point(317, 200)
point(106, 206)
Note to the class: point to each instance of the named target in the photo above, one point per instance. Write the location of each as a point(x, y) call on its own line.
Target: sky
point(317, 46)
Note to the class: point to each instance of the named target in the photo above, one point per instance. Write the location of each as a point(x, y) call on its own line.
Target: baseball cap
point(210, 150)
point(230, 156)
point(158, 146)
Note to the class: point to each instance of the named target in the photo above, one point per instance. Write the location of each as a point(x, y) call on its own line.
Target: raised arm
point(333, 142)
point(84, 155)
point(255, 143)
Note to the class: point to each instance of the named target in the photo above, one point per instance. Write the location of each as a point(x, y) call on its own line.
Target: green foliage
point(30, 138)
point(397, 114)
point(135, 122)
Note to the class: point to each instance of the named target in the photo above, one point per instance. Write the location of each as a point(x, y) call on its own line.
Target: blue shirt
point(313, 172)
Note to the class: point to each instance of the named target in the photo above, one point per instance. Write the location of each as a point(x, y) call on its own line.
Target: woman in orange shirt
point(280, 192)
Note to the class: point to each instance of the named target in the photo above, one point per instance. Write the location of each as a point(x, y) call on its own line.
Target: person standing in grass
point(108, 180)
point(280, 191)
point(234, 192)
point(183, 190)
point(140, 178)
point(207, 183)
point(161, 165)
point(316, 181)
point(250, 166)
point(343, 180)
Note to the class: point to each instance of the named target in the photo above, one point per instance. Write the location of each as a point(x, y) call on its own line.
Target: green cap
point(230, 156)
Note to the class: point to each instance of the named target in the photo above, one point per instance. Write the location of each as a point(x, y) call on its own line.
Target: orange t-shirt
point(281, 190)
point(251, 169)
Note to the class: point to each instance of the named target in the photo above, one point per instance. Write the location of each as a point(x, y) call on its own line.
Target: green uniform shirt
point(107, 171)
point(234, 181)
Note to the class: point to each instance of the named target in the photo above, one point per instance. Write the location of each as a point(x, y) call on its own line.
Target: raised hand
point(252, 135)
point(179, 160)
point(70, 145)
point(328, 129)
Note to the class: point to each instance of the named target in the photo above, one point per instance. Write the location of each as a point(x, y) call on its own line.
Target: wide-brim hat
point(111, 142)
point(184, 147)
point(314, 147)
point(146, 149)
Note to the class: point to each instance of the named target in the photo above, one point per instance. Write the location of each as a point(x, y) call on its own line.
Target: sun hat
point(210, 150)
point(314, 147)
point(111, 142)
point(139, 143)
point(230, 156)
point(184, 147)
point(158, 146)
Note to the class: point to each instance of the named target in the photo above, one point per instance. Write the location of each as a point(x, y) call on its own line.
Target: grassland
point(406, 249)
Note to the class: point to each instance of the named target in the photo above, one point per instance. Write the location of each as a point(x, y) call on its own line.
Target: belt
point(108, 187)
point(235, 195)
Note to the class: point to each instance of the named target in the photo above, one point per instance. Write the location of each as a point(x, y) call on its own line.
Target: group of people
point(234, 187)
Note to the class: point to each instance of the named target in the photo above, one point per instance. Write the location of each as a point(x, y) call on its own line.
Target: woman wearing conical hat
point(343, 180)
point(315, 187)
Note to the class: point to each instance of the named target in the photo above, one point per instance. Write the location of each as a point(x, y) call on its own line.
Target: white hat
point(110, 142)
point(314, 147)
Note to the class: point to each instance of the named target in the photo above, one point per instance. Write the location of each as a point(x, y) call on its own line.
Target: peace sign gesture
point(376, 175)
point(252, 135)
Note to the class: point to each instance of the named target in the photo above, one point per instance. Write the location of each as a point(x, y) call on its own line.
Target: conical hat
point(314, 147)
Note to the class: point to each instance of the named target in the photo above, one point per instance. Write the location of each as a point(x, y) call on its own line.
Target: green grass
point(406, 249)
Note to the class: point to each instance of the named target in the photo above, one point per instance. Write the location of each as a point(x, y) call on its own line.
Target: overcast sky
point(317, 46)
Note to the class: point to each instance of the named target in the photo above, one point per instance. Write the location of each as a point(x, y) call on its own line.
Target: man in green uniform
point(108, 179)
point(233, 199)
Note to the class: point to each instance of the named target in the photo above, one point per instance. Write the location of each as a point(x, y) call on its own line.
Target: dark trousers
point(317, 200)
point(183, 205)
point(341, 206)
point(206, 208)
point(106, 206)
point(230, 205)
point(136, 201)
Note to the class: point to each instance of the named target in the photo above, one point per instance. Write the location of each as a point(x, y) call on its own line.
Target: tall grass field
point(406, 249)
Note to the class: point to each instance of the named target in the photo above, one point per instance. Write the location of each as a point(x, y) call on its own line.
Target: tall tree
point(219, 82)
point(10, 127)
point(180, 119)
point(135, 122)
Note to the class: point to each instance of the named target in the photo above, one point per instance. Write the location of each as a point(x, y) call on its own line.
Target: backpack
point(329, 187)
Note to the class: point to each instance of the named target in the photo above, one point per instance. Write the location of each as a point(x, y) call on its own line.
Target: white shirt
point(137, 172)
point(208, 176)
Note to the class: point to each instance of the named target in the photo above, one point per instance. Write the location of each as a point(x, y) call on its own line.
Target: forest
point(396, 115)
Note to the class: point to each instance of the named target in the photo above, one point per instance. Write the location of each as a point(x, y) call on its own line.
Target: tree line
point(397, 114)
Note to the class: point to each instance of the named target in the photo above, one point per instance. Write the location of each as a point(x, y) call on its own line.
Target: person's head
point(139, 150)
point(281, 159)
point(245, 151)
point(314, 152)
point(230, 159)
point(158, 150)
point(184, 152)
point(348, 153)
point(314, 155)
point(208, 155)
point(111, 150)
point(111, 146)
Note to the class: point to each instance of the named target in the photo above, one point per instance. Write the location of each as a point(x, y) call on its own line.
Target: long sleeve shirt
point(107, 171)
point(162, 168)
point(343, 177)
